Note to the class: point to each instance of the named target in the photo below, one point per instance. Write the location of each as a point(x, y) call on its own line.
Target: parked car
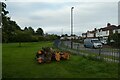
point(92, 43)
point(103, 41)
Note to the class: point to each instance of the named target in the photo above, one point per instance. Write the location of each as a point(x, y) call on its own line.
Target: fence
point(106, 54)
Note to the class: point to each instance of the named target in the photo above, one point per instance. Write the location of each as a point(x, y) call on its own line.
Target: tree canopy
point(40, 32)
point(11, 31)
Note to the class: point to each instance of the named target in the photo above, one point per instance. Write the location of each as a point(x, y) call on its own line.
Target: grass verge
point(19, 62)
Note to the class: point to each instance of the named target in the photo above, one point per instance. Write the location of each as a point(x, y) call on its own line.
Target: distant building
point(69, 37)
point(106, 31)
point(84, 35)
point(89, 34)
point(102, 33)
point(117, 30)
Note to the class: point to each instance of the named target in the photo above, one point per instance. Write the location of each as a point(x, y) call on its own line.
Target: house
point(69, 37)
point(84, 35)
point(104, 33)
point(76, 37)
point(117, 30)
point(91, 34)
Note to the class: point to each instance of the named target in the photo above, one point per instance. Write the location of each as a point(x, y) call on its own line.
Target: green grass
point(19, 62)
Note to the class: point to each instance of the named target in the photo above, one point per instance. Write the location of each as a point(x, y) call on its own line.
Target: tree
point(25, 29)
point(4, 12)
point(52, 37)
point(40, 32)
point(64, 35)
point(22, 36)
point(14, 25)
point(31, 30)
point(8, 26)
point(116, 38)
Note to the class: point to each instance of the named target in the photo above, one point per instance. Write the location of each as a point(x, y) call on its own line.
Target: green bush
point(116, 38)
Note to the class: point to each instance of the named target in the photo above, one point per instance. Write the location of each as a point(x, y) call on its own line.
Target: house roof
point(111, 27)
point(118, 27)
point(91, 31)
point(84, 33)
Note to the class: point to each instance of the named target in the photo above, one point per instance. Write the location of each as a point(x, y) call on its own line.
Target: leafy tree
point(5, 20)
point(40, 32)
point(8, 26)
point(14, 25)
point(116, 38)
point(22, 36)
point(41, 38)
point(31, 30)
point(25, 29)
point(34, 38)
point(52, 37)
point(64, 35)
point(11, 31)
point(4, 12)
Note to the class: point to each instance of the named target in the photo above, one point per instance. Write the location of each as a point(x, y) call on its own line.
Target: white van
point(92, 43)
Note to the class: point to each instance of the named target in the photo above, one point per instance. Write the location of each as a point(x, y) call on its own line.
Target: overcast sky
point(54, 17)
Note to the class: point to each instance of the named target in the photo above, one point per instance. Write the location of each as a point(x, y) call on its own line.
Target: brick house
point(106, 31)
point(84, 35)
point(117, 30)
point(102, 33)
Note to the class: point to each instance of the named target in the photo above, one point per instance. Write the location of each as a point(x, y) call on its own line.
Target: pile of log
point(47, 54)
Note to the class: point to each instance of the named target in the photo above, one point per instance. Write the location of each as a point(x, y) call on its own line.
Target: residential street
point(79, 46)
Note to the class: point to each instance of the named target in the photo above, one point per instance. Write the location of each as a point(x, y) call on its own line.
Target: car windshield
point(96, 41)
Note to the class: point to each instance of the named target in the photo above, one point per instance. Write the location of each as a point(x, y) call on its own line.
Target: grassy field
point(19, 62)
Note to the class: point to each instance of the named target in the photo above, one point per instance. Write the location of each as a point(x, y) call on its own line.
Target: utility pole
point(71, 26)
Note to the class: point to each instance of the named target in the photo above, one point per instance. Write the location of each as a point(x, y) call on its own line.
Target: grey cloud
point(51, 16)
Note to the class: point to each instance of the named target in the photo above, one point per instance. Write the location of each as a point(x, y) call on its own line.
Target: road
point(79, 46)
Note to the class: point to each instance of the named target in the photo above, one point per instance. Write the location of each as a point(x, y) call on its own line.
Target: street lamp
point(71, 26)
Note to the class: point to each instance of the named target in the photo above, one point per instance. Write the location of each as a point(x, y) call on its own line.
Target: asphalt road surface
point(79, 46)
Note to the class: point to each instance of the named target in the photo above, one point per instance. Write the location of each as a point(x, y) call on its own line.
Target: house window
point(114, 31)
point(118, 30)
point(106, 32)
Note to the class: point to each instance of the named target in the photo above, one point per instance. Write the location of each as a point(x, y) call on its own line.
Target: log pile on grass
point(46, 55)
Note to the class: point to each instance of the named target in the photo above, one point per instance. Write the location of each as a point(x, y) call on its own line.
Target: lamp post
point(71, 26)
